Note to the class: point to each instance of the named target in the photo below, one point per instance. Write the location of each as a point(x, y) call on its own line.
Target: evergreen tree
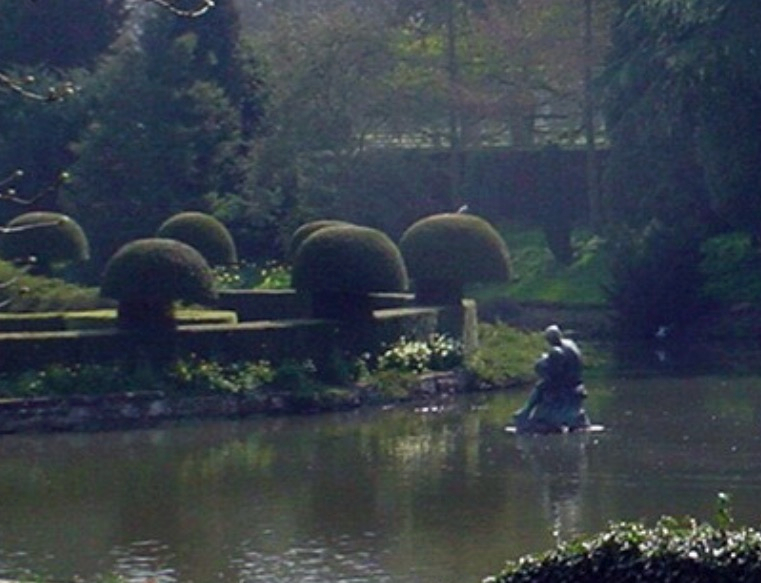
point(684, 106)
point(48, 42)
point(167, 136)
point(58, 33)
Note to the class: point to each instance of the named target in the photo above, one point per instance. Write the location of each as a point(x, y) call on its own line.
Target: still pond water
point(430, 495)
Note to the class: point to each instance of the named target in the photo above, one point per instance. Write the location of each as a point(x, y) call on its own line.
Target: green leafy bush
point(31, 293)
point(185, 376)
point(64, 380)
point(200, 375)
point(655, 281)
point(204, 233)
point(438, 352)
point(147, 275)
point(48, 237)
point(673, 551)
point(349, 259)
point(271, 275)
point(297, 377)
point(731, 266)
point(274, 276)
point(446, 251)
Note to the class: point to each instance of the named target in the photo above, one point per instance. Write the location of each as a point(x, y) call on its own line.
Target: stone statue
point(556, 403)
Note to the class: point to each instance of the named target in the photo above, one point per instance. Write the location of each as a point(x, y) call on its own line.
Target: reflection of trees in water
point(672, 356)
point(216, 494)
point(560, 465)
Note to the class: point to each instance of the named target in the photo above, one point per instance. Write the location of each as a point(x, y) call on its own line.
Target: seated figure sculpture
point(555, 405)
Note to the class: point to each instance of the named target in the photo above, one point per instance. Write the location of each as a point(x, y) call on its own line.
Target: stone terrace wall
point(270, 339)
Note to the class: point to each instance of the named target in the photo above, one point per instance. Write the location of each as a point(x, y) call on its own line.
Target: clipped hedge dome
point(57, 239)
point(147, 275)
point(204, 233)
point(349, 259)
point(452, 249)
point(298, 236)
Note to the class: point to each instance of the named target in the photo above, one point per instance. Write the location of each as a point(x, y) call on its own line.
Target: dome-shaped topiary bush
point(50, 238)
point(147, 275)
point(340, 265)
point(446, 251)
point(204, 233)
point(298, 236)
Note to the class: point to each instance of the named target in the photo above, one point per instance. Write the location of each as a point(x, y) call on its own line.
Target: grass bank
point(538, 277)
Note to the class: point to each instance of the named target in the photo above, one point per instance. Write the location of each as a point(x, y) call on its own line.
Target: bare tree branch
point(203, 7)
point(9, 194)
point(12, 177)
point(24, 86)
point(21, 228)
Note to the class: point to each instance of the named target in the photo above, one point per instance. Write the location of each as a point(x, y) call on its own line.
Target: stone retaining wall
point(151, 408)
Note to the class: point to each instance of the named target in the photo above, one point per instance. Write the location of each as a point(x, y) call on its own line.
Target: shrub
point(191, 375)
point(731, 266)
point(436, 353)
point(677, 551)
point(202, 376)
point(274, 276)
point(341, 261)
point(50, 238)
point(655, 281)
point(307, 229)
point(204, 233)
point(147, 275)
point(446, 251)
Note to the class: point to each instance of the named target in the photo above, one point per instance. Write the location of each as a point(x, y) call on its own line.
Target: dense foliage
point(349, 259)
point(47, 238)
point(204, 233)
point(673, 551)
point(159, 270)
point(174, 111)
point(454, 249)
point(185, 377)
point(290, 117)
point(681, 75)
point(682, 94)
point(437, 352)
point(656, 281)
point(33, 293)
point(44, 33)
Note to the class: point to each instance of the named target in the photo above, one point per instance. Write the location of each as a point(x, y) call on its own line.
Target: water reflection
point(439, 494)
point(559, 465)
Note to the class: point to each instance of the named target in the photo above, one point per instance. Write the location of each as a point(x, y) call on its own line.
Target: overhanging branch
point(203, 7)
point(24, 87)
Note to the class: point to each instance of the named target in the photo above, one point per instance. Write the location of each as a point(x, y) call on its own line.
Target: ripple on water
point(313, 561)
point(144, 561)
